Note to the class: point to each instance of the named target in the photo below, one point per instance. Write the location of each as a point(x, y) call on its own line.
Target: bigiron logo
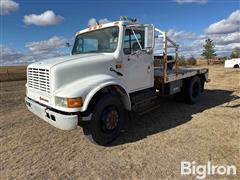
point(202, 171)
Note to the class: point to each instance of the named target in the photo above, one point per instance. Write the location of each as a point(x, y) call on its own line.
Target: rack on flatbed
point(168, 70)
point(163, 72)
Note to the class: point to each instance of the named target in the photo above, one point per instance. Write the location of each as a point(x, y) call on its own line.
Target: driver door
point(138, 64)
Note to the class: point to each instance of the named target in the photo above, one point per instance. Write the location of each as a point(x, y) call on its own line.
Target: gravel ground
point(151, 147)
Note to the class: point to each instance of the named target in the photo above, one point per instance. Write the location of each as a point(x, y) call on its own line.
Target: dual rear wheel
point(191, 91)
point(194, 90)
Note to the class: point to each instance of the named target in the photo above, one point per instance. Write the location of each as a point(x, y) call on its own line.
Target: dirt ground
point(151, 147)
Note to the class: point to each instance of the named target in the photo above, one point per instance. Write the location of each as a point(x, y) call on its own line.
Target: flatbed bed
point(177, 74)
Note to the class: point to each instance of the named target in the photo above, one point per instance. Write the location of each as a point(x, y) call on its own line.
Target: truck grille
point(39, 79)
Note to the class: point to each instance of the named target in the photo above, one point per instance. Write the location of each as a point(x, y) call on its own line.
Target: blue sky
point(22, 40)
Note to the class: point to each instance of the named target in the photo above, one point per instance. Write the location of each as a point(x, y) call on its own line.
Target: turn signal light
point(118, 66)
point(74, 102)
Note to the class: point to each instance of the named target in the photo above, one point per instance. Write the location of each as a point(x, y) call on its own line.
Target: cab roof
point(105, 25)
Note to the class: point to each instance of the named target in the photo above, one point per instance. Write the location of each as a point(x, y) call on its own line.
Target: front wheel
point(107, 120)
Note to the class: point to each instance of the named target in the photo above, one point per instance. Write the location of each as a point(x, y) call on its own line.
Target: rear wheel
point(236, 66)
point(107, 120)
point(193, 90)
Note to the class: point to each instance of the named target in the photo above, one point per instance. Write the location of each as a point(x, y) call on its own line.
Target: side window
point(130, 41)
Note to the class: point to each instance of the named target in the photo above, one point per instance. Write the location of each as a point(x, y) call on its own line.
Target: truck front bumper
point(61, 121)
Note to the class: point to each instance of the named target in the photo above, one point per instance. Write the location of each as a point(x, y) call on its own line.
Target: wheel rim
point(109, 119)
point(195, 91)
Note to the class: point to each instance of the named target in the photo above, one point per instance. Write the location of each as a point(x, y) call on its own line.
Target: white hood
point(66, 69)
point(48, 63)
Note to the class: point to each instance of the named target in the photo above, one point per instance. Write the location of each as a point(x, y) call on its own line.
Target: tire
point(107, 120)
point(236, 66)
point(202, 85)
point(193, 90)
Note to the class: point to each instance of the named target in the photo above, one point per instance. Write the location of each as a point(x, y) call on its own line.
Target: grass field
point(12, 73)
point(150, 147)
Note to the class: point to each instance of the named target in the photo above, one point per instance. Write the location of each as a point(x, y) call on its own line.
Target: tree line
point(209, 53)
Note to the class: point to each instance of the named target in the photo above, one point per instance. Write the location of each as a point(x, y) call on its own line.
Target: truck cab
point(110, 72)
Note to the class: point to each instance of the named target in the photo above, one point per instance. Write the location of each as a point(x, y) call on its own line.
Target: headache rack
point(164, 74)
point(165, 69)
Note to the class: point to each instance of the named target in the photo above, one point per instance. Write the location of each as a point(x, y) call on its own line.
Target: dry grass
point(12, 73)
point(151, 147)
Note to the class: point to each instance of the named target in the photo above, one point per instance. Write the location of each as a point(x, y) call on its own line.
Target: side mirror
point(149, 37)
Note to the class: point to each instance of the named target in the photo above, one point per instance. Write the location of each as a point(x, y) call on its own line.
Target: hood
point(51, 62)
point(67, 69)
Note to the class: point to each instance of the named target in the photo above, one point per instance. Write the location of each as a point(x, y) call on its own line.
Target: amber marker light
point(77, 33)
point(118, 66)
point(74, 102)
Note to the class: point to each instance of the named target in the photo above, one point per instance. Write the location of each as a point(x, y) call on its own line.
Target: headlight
point(59, 101)
point(69, 102)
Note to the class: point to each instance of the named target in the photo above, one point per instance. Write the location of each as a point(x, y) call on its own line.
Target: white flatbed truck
point(111, 70)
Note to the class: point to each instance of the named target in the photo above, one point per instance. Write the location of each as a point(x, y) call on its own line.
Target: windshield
point(103, 40)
